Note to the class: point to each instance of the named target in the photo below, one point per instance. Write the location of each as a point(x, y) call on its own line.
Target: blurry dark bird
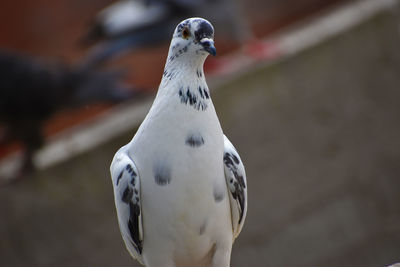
point(129, 24)
point(31, 91)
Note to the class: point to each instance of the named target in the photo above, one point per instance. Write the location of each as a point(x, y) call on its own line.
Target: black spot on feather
point(203, 228)
point(162, 173)
point(194, 140)
point(192, 98)
point(129, 168)
point(133, 226)
point(120, 176)
point(201, 92)
point(127, 194)
point(219, 194)
point(206, 93)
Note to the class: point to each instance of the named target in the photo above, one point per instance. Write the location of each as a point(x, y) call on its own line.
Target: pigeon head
point(192, 37)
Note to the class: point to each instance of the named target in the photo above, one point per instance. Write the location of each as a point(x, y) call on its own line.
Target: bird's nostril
point(206, 44)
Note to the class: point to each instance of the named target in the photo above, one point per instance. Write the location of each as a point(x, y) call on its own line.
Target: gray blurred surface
point(319, 135)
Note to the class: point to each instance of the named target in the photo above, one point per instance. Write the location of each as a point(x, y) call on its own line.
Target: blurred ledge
point(288, 42)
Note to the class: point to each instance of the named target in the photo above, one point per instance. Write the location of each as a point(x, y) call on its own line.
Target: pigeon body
point(179, 185)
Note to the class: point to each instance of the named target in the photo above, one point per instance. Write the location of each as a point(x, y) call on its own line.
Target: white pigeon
point(179, 185)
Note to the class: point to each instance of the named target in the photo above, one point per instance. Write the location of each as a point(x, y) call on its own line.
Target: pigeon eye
point(185, 33)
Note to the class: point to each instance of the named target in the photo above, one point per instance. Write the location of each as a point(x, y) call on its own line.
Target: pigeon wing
point(235, 176)
point(126, 183)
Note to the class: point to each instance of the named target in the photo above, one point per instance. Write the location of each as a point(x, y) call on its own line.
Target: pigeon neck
point(186, 63)
point(184, 80)
point(185, 68)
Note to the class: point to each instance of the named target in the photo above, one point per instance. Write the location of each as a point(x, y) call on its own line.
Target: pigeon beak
point(208, 45)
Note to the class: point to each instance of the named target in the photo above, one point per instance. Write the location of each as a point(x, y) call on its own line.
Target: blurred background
point(307, 90)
